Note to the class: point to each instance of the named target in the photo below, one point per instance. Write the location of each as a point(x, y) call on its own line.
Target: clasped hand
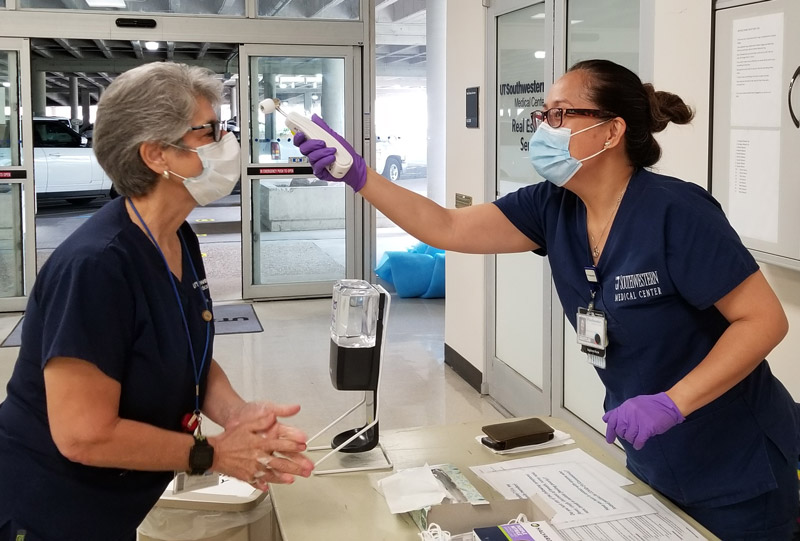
point(258, 449)
point(639, 418)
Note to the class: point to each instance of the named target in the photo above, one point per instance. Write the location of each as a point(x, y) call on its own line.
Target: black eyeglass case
point(508, 435)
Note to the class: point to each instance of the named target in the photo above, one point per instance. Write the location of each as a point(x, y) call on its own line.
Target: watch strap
point(201, 456)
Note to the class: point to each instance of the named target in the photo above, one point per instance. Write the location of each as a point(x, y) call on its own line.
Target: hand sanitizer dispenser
point(354, 328)
point(359, 312)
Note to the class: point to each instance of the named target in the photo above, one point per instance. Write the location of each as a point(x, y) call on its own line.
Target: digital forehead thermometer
point(299, 123)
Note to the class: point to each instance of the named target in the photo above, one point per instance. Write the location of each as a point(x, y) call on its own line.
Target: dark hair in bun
point(645, 110)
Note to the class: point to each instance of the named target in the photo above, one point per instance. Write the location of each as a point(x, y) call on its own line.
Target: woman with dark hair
point(116, 367)
point(678, 316)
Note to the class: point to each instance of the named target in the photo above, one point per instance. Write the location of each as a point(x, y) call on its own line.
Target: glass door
point(298, 231)
point(17, 198)
point(519, 369)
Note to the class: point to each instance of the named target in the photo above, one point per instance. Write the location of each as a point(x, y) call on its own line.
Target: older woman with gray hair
point(115, 373)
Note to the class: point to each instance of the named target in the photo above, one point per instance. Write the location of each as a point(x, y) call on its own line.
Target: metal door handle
point(791, 111)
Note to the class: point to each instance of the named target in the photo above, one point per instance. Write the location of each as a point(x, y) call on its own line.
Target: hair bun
point(666, 107)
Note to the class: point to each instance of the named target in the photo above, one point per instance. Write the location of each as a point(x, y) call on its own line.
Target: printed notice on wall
point(753, 189)
point(756, 81)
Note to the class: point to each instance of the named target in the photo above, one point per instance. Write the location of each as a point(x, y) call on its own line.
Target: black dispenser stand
point(357, 369)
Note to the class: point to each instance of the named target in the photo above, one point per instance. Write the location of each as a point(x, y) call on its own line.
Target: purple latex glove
point(321, 156)
point(641, 417)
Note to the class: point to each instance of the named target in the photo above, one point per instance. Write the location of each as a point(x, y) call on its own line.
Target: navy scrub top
point(103, 296)
point(669, 256)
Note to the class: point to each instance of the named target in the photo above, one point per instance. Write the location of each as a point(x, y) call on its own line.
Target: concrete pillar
point(234, 103)
point(435, 38)
point(86, 101)
point(39, 93)
point(332, 96)
point(73, 97)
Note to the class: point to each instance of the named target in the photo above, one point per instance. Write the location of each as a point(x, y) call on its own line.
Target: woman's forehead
point(569, 91)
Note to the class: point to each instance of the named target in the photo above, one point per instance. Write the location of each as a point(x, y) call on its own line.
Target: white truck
point(64, 165)
point(390, 157)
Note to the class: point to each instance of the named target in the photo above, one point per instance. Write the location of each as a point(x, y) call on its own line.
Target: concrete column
point(435, 38)
point(332, 96)
point(234, 103)
point(39, 93)
point(73, 97)
point(86, 101)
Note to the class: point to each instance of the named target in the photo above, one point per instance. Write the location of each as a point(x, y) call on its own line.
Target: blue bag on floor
point(418, 272)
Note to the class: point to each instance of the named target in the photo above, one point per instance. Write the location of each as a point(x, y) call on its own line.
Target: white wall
point(465, 309)
point(681, 64)
point(686, 149)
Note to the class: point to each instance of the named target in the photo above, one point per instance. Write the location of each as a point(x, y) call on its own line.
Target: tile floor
point(288, 362)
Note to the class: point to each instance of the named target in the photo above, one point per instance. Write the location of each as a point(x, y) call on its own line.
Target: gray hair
point(151, 103)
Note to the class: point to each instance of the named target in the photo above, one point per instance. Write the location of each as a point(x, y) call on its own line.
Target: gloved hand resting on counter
point(639, 418)
point(321, 156)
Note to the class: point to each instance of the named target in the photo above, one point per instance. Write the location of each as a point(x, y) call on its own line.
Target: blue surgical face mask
point(549, 152)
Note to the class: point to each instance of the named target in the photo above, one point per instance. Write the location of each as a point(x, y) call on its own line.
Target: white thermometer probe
point(298, 123)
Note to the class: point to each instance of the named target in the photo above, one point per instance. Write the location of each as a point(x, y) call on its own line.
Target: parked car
point(390, 157)
point(64, 164)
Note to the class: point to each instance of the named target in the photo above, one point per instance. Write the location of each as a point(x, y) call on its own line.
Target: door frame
point(23, 174)
point(354, 239)
point(509, 388)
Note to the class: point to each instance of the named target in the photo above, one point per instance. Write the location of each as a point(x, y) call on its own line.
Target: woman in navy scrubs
point(673, 311)
point(116, 365)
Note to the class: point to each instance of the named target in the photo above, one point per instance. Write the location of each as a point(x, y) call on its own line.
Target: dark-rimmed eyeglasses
point(555, 116)
point(215, 127)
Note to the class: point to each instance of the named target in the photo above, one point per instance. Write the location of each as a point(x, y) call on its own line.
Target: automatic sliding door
point(301, 229)
point(17, 242)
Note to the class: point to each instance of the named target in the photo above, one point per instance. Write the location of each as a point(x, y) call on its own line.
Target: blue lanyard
point(197, 372)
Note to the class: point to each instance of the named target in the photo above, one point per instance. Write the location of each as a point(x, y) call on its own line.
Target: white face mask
point(221, 169)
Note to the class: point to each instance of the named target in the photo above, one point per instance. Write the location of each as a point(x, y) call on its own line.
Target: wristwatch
point(201, 456)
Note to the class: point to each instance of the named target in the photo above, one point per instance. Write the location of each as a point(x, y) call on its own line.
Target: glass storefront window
point(223, 8)
point(310, 9)
point(607, 29)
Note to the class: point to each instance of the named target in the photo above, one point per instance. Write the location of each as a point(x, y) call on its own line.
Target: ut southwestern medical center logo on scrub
point(631, 287)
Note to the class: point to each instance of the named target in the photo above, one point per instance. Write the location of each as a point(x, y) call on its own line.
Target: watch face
point(201, 458)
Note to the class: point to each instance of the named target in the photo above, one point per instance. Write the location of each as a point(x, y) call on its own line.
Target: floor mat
point(236, 318)
point(228, 319)
point(14, 338)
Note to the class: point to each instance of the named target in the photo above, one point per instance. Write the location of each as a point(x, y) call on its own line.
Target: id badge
point(591, 329)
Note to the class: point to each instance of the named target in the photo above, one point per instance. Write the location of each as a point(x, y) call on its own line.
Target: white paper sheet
point(753, 192)
point(757, 52)
point(576, 495)
point(411, 489)
point(573, 455)
point(559, 438)
point(664, 525)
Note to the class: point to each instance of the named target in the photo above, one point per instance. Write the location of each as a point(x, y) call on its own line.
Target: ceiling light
point(151, 45)
point(538, 16)
point(106, 4)
point(538, 54)
point(576, 21)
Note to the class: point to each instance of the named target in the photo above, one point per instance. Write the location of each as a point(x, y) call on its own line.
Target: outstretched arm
point(482, 229)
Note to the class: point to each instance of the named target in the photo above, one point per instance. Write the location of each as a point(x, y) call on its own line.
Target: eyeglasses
point(215, 126)
point(555, 116)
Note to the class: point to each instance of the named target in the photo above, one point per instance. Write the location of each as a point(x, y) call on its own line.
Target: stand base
point(376, 459)
point(365, 442)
